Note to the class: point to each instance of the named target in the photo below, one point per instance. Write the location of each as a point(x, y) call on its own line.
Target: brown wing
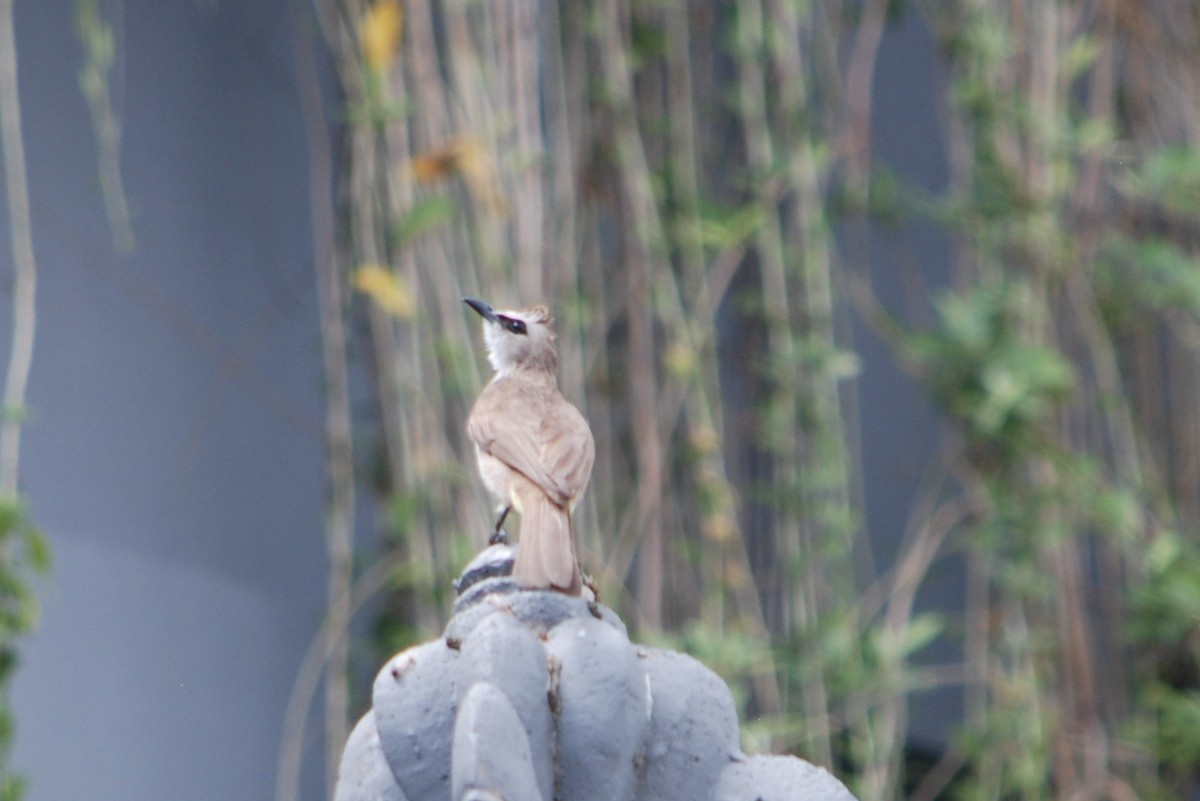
point(533, 429)
point(568, 447)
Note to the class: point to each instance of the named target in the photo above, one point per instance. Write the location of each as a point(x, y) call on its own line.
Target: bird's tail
point(546, 558)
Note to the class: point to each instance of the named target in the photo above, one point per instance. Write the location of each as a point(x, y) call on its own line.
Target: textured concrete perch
point(536, 696)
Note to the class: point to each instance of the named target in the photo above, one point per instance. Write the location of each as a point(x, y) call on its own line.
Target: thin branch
point(337, 398)
point(856, 137)
point(326, 643)
point(643, 247)
point(97, 39)
point(24, 265)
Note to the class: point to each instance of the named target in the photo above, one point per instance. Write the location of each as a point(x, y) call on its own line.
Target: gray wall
point(174, 453)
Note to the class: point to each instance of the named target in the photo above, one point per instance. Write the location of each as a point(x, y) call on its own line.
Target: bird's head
point(521, 339)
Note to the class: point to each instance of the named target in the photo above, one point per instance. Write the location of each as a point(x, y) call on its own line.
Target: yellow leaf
point(380, 32)
point(387, 288)
point(479, 171)
point(466, 156)
point(720, 528)
point(680, 360)
point(435, 164)
point(704, 440)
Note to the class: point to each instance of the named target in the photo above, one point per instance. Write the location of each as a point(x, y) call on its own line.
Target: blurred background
point(885, 316)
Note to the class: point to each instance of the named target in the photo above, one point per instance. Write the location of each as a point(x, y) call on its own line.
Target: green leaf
point(12, 787)
point(1177, 739)
point(1080, 55)
point(12, 515)
point(1172, 176)
point(1120, 511)
point(1163, 552)
point(721, 229)
point(37, 550)
point(403, 508)
point(424, 216)
point(922, 630)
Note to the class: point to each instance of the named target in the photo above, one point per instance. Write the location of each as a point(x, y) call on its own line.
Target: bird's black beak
point(484, 310)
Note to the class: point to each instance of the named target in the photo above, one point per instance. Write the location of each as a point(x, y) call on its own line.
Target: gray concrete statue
point(539, 696)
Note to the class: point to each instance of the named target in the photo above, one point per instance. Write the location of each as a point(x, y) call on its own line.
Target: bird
point(533, 447)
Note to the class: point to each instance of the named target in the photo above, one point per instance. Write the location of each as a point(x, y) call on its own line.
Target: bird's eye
point(515, 326)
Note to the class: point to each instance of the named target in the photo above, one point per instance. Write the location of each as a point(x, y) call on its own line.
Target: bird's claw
point(499, 537)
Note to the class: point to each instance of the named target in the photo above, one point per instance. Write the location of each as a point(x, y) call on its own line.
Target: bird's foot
point(499, 537)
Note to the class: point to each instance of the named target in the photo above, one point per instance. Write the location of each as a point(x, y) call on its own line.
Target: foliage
point(692, 187)
point(23, 554)
point(1001, 389)
point(1071, 218)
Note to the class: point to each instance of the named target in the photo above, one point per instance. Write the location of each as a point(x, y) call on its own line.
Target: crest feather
point(540, 313)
